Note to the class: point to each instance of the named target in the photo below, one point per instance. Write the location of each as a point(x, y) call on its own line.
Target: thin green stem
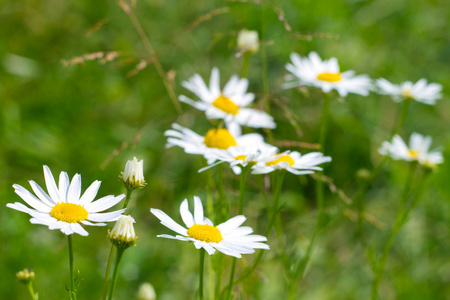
point(128, 197)
point(120, 252)
point(154, 57)
point(31, 290)
point(230, 285)
point(322, 139)
point(108, 270)
point(220, 214)
point(245, 64)
point(202, 264)
point(265, 75)
point(275, 210)
point(379, 267)
point(72, 291)
point(401, 119)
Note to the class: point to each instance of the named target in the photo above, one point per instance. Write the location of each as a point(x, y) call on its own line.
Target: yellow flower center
point(330, 77)
point(241, 157)
point(285, 158)
point(69, 212)
point(219, 138)
point(205, 233)
point(406, 93)
point(413, 153)
point(225, 104)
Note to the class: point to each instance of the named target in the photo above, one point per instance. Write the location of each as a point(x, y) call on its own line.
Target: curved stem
point(128, 197)
point(72, 291)
point(108, 270)
point(379, 267)
point(202, 264)
point(115, 272)
point(31, 290)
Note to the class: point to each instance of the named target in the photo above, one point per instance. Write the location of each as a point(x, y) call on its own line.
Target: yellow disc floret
point(330, 77)
point(225, 104)
point(69, 212)
point(407, 93)
point(219, 138)
point(205, 233)
point(241, 157)
point(413, 154)
point(282, 158)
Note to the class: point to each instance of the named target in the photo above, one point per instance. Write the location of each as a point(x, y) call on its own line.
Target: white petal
point(30, 199)
point(103, 203)
point(74, 189)
point(198, 210)
point(77, 228)
point(90, 193)
point(105, 217)
point(168, 222)
point(231, 224)
point(63, 186)
point(41, 194)
point(186, 214)
point(51, 185)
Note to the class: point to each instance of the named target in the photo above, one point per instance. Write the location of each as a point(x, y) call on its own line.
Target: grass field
point(90, 116)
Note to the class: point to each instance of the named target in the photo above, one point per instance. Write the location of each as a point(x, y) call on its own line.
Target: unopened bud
point(247, 41)
point(133, 177)
point(146, 292)
point(363, 175)
point(25, 276)
point(123, 234)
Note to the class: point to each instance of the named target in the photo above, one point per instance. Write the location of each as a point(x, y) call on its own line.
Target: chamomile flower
point(242, 156)
point(418, 150)
point(312, 71)
point(420, 91)
point(63, 208)
point(228, 104)
point(218, 139)
point(293, 162)
point(229, 237)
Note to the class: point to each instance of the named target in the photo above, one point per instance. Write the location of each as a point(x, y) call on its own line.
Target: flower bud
point(146, 292)
point(123, 234)
point(363, 175)
point(133, 177)
point(247, 42)
point(25, 276)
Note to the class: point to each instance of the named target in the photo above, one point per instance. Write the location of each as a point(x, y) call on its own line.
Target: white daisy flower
point(228, 237)
point(312, 71)
point(218, 139)
point(418, 150)
point(240, 156)
point(419, 91)
point(293, 162)
point(63, 208)
point(247, 42)
point(228, 104)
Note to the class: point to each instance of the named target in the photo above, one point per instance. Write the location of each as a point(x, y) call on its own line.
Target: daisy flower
point(228, 104)
point(419, 91)
point(418, 150)
point(229, 237)
point(63, 208)
point(218, 139)
point(312, 71)
point(293, 162)
point(242, 156)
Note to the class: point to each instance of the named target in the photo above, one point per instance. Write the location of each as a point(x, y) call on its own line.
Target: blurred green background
point(91, 118)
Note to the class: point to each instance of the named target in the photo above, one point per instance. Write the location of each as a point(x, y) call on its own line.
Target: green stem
point(322, 139)
point(401, 119)
point(108, 270)
point(128, 197)
point(265, 76)
point(72, 291)
point(220, 214)
point(277, 193)
point(120, 252)
point(31, 290)
point(379, 267)
point(230, 285)
point(245, 64)
point(202, 264)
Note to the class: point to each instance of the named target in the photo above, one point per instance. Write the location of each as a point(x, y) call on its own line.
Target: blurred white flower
point(420, 91)
point(218, 139)
point(293, 162)
point(247, 41)
point(312, 71)
point(227, 104)
point(63, 208)
point(228, 237)
point(123, 234)
point(418, 150)
point(133, 177)
point(146, 292)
